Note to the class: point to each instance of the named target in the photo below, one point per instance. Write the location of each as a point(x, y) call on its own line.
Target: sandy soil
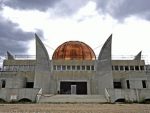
point(74, 108)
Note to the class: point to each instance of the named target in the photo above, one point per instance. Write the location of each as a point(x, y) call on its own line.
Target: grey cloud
point(31, 4)
point(58, 7)
point(121, 9)
point(13, 38)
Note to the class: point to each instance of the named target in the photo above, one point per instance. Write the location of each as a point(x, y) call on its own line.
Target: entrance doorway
point(67, 87)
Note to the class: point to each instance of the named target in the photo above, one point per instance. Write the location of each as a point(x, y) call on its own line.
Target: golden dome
point(74, 50)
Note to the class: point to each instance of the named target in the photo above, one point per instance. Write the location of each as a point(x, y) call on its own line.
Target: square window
point(68, 68)
point(83, 67)
point(73, 67)
point(87, 67)
point(54, 67)
point(63, 67)
point(117, 85)
point(126, 68)
point(58, 67)
point(141, 68)
point(92, 67)
point(116, 68)
point(78, 67)
point(112, 67)
point(137, 68)
point(132, 68)
point(121, 68)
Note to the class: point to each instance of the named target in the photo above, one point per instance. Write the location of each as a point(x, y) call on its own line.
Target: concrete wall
point(13, 82)
point(104, 77)
point(16, 94)
point(20, 68)
point(42, 70)
point(130, 95)
point(73, 75)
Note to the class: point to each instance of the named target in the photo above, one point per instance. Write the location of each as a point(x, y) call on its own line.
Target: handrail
point(107, 95)
point(39, 94)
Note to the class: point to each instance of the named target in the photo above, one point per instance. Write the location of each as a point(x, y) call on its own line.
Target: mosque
point(74, 74)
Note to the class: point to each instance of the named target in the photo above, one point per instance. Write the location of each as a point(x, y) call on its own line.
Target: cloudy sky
point(90, 21)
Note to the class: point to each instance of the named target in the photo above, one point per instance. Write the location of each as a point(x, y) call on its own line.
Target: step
point(72, 99)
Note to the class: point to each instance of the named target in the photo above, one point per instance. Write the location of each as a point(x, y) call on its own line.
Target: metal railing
point(107, 95)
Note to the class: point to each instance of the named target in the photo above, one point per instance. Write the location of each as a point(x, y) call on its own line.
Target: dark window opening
point(68, 68)
point(137, 68)
point(29, 84)
point(116, 68)
point(112, 67)
point(83, 67)
point(87, 67)
point(78, 67)
point(141, 68)
point(59, 67)
point(117, 85)
point(3, 83)
point(126, 68)
point(144, 83)
point(121, 68)
point(54, 67)
point(132, 68)
point(73, 67)
point(92, 67)
point(128, 84)
point(63, 67)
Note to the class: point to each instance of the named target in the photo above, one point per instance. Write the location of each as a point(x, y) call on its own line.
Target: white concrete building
point(74, 74)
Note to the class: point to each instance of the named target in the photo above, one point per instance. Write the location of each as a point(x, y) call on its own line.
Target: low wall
point(129, 95)
point(16, 94)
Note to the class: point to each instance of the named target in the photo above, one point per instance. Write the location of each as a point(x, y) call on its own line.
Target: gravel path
point(74, 108)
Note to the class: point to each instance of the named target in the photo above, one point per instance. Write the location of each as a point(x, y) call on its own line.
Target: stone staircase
point(72, 99)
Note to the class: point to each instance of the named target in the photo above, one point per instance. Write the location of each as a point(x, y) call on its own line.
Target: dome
point(74, 50)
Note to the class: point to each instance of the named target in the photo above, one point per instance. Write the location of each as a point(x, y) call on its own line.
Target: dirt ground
point(74, 108)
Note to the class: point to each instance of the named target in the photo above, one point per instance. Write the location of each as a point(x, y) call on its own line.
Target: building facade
point(75, 70)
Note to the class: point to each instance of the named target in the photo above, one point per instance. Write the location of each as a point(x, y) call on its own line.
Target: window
point(121, 68)
point(132, 68)
point(68, 68)
point(128, 84)
point(126, 68)
point(141, 68)
point(144, 83)
point(54, 67)
point(73, 67)
point(116, 68)
point(59, 67)
point(92, 67)
point(83, 67)
point(63, 67)
point(117, 85)
point(137, 68)
point(29, 84)
point(112, 67)
point(78, 67)
point(3, 83)
point(87, 67)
